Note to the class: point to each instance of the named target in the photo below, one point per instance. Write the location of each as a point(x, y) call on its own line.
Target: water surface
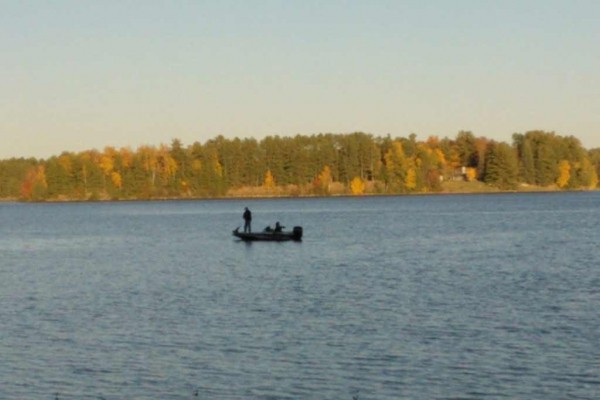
point(414, 297)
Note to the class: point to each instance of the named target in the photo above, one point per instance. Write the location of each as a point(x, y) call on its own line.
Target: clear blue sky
point(76, 75)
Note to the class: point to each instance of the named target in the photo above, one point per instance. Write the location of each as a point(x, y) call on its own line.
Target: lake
point(490, 296)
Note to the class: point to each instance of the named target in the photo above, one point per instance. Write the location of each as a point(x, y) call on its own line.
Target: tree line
point(322, 164)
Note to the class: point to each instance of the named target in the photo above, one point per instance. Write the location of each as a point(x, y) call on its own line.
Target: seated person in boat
point(278, 228)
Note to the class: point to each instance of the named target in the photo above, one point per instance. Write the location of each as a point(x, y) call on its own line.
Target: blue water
point(414, 297)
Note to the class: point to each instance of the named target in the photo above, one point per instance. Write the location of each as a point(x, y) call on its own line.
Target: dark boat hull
point(295, 235)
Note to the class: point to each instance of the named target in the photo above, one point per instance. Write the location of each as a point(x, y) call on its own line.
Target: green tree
point(59, 176)
point(501, 167)
point(467, 149)
point(274, 159)
point(545, 157)
point(183, 170)
point(526, 159)
point(584, 175)
point(594, 157)
point(252, 163)
point(212, 177)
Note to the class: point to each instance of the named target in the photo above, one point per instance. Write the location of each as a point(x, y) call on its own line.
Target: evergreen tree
point(501, 167)
point(527, 163)
point(545, 158)
point(59, 176)
point(183, 167)
point(252, 163)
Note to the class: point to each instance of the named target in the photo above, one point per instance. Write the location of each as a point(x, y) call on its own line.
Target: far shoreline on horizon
point(450, 188)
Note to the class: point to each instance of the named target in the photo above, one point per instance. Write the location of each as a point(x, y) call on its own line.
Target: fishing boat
point(270, 235)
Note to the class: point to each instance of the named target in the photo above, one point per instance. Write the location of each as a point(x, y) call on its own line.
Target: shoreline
point(461, 190)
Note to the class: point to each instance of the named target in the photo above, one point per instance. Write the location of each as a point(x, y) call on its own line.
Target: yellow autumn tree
point(115, 177)
point(106, 164)
point(396, 164)
point(440, 158)
point(269, 181)
point(564, 173)
point(470, 173)
point(323, 180)
point(357, 185)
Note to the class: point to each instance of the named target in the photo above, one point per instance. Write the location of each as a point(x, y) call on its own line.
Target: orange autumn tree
point(34, 185)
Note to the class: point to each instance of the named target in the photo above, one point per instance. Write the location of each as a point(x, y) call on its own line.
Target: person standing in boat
point(247, 220)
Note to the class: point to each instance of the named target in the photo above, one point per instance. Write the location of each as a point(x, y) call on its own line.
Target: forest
point(303, 165)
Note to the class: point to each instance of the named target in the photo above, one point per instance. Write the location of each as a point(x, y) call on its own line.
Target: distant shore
point(480, 187)
point(448, 188)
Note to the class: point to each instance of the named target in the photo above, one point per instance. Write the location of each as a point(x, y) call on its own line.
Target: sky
point(78, 75)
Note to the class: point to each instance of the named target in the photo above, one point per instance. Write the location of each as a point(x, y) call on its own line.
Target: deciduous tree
point(357, 185)
point(564, 173)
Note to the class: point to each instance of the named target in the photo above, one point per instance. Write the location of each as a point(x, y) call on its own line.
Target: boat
point(271, 236)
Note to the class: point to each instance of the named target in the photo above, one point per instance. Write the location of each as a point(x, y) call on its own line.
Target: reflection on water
point(390, 297)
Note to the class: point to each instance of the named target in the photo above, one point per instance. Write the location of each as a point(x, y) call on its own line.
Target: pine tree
point(501, 166)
